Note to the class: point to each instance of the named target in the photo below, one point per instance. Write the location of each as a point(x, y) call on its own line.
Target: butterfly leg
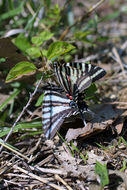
point(83, 118)
point(91, 112)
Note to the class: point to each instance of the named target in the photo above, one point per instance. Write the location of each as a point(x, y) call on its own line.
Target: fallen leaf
point(105, 115)
point(119, 122)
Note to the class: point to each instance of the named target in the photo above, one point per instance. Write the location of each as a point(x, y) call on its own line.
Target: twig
point(124, 46)
point(14, 183)
point(80, 185)
point(24, 109)
point(114, 50)
point(44, 161)
point(116, 81)
point(48, 170)
point(121, 103)
point(57, 177)
point(80, 19)
point(13, 150)
point(41, 24)
point(43, 180)
point(93, 57)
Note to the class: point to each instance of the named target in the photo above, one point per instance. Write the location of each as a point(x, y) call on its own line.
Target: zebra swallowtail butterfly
point(74, 79)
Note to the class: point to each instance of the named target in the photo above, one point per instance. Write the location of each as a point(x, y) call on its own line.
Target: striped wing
point(73, 80)
point(94, 72)
point(54, 110)
point(76, 77)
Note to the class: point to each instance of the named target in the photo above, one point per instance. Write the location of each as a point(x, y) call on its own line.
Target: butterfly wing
point(72, 80)
point(76, 77)
point(56, 107)
point(95, 72)
point(65, 77)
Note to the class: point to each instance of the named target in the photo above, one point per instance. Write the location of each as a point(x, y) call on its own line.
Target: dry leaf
point(105, 115)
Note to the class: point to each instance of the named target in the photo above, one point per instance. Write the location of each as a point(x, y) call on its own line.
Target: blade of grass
point(13, 149)
point(65, 142)
point(15, 93)
point(12, 13)
point(21, 126)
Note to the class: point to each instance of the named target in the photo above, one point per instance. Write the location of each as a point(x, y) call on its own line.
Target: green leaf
point(47, 3)
point(124, 166)
point(44, 52)
point(110, 16)
point(91, 90)
point(12, 13)
point(38, 40)
point(40, 100)
point(20, 69)
point(33, 52)
point(2, 60)
point(15, 93)
point(101, 170)
point(58, 48)
point(22, 43)
point(56, 9)
point(82, 35)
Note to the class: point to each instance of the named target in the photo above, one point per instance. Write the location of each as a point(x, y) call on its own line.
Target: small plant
point(101, 171)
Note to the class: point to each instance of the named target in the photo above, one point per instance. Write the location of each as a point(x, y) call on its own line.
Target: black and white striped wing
point(83, 83)
point(56, 107)
point(94, 72)
point(72, 80)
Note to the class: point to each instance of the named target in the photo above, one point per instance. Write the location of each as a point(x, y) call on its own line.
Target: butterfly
point(58, 105)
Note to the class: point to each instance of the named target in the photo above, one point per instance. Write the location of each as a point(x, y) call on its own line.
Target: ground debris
point(103, 119)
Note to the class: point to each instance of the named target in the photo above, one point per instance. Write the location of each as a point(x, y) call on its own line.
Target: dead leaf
point(105, 115)
point(92, 158)
point(12, 54)
point(119, 122)
point(36, 113)
point(73, 166)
